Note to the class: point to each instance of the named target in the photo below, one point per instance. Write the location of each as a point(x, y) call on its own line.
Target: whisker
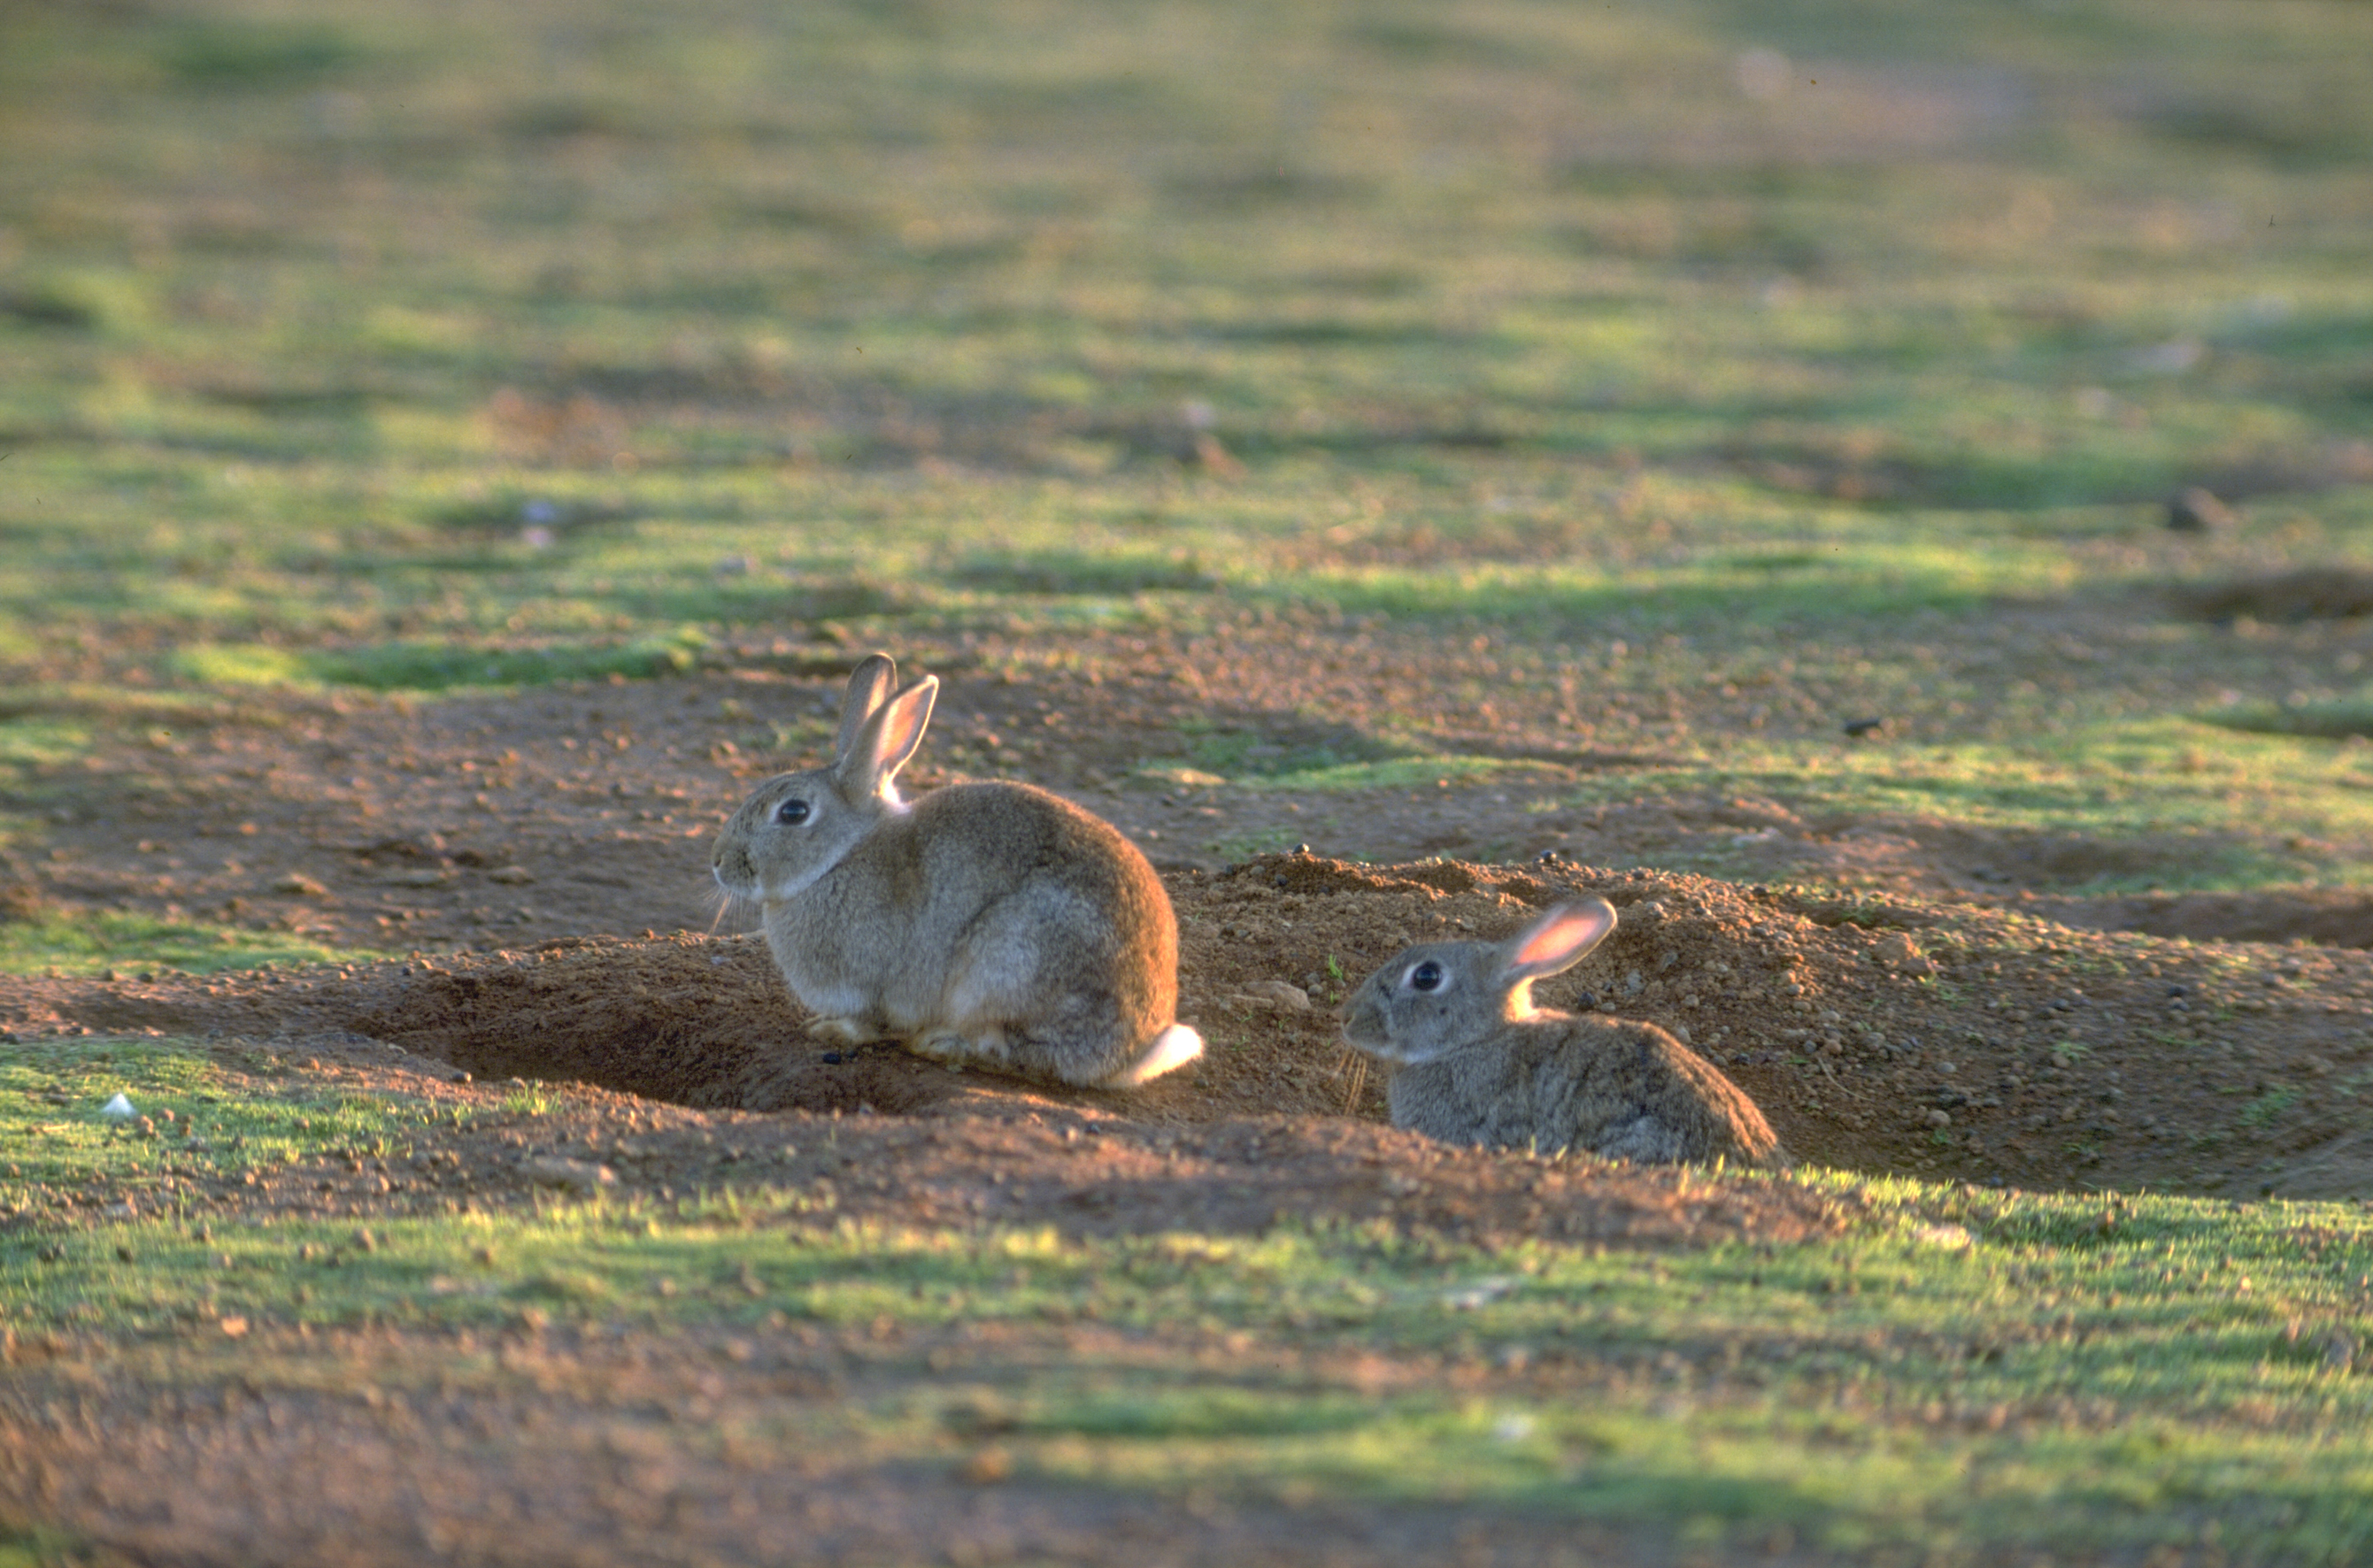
point(1355, 1074)
point(744, 911)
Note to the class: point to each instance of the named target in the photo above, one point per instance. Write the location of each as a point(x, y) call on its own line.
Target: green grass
point(1042, 239)
point(36, 1546)
point(1542, 323)
point(53, 1131)
point(1973, 1373)
point(463, 369)
point(2341, 719)
point(438, 665)
point(88, 942)
point(2164, 805)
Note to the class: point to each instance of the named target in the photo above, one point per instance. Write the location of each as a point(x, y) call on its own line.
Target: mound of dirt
point(1883, 1036)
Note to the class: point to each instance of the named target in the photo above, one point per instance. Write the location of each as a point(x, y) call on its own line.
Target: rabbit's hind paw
point(988, 1049)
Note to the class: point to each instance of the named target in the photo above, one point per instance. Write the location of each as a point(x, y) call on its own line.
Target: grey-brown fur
point(1473, 1061)
point(986, 923)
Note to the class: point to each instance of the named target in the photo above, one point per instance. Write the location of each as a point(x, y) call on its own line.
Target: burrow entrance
point(703, 1023)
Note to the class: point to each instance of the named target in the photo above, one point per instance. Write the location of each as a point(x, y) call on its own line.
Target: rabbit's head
point(796, 826)
point(1438, 997)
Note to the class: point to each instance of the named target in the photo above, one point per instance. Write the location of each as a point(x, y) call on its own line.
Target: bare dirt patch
point(499, 821)
point(541, 858)
point(1944, 1040)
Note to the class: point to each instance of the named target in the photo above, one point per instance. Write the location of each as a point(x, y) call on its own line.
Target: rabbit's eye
point(792, 810)
point(1427, 976)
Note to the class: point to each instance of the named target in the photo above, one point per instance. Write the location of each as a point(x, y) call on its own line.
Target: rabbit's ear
point(869, 687)
point(1558, 940)
point(885, 741)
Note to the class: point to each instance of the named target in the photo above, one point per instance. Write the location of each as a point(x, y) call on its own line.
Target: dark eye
point(791, 810)
point(1427, 976)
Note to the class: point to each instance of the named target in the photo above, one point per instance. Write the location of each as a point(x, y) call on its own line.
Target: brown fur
point(989, 924)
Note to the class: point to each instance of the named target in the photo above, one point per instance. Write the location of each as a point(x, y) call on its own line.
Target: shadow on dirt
point(2325, 919)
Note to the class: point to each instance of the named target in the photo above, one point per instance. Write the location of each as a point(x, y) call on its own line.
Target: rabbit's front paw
point(847, 1031)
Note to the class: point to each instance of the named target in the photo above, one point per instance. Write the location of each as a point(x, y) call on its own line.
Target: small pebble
point(1279, 994)
point(2196, 509)
point(583, 1178)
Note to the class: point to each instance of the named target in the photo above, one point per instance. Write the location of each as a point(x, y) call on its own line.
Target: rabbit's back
point(1051, 876)
point(1643, 1093)
point(1623, 1089)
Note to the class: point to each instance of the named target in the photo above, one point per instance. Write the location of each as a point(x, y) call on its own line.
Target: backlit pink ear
point(899, 726)
point(1560, 938)
point(885, 742)
point(869, 685)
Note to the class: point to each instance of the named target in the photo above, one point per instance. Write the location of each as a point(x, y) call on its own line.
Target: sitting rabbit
point(988, 925)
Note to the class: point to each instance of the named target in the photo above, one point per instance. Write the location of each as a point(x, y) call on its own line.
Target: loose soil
point(537, 864)
point(541, 860)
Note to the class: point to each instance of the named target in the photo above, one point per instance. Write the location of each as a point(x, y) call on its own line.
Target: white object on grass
point(118, 1110)
point(1482, 1293)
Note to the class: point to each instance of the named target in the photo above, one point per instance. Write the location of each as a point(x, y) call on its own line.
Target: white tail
point(1173, 1047)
